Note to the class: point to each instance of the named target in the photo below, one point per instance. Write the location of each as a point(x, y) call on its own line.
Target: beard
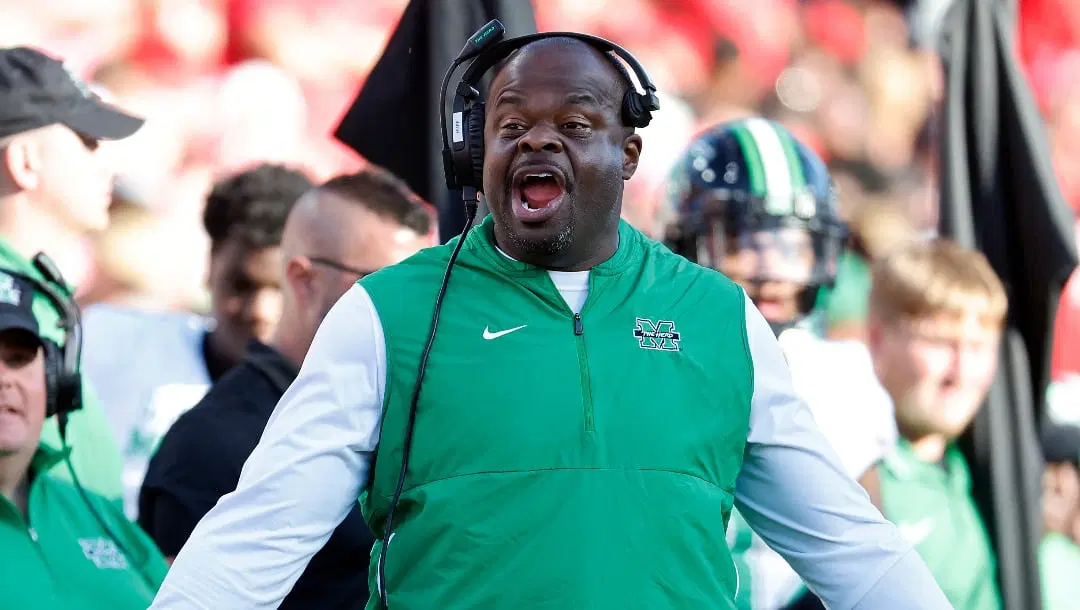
point(545, 247)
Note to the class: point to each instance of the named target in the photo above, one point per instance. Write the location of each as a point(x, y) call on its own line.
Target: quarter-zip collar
point(481, 240)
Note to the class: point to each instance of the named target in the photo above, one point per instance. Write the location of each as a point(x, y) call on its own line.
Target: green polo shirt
point(932, 506)
point(95, 455)
point(60, 557)
point(1059, 571)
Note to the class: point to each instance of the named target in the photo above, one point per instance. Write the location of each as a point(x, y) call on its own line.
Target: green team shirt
point(95, 455)
point(932, 506)
point(59, 557)
point(1059, 571)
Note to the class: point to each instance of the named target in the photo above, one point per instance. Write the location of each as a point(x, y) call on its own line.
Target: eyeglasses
point(325, 262)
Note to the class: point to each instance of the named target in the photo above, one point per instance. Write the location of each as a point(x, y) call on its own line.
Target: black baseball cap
point(16, 304)
point(37, 90)
point(1061, 443)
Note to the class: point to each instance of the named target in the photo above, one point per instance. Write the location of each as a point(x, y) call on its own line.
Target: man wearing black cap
point(63, 547)
point(54, 189)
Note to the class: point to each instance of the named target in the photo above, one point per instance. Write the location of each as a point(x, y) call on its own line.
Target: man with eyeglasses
point(55, 188)
point(148, 367)
point(337, 233)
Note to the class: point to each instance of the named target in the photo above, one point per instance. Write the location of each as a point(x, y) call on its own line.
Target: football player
point(751, 201)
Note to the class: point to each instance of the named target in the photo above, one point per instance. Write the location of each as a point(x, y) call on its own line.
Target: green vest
point(932, 506)
point(58, 556)
point(578, 462)
point(95, 456)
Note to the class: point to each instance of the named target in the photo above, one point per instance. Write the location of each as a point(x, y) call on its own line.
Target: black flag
point(999, 194)
point(394, 121)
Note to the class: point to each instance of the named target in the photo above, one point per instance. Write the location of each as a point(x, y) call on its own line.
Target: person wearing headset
point(572, 424)
point(55, 188)
point(750, 200)
point(63, 546)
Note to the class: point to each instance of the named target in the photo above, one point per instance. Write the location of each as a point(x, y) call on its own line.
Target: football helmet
point(751, 201)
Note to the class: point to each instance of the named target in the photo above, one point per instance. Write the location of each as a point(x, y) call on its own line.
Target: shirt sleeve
point(301, 480)
point(793, 492)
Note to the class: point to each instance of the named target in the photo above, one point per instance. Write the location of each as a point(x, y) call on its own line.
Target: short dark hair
point(251, 206)
point(380, 191)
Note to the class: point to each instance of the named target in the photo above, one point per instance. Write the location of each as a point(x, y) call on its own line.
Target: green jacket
point(59, 557)
point(95, 455)
point(578, 462)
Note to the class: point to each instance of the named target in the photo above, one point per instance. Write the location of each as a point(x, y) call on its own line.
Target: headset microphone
point(493, 31)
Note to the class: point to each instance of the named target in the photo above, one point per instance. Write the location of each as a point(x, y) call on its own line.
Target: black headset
point(463, 146)
point(463, 165)
point(62, 379)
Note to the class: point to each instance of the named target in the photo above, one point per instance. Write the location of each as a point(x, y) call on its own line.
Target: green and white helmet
point(750, 200)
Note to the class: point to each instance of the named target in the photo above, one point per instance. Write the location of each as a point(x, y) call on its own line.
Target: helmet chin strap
point(814, 323)
point(810, 318)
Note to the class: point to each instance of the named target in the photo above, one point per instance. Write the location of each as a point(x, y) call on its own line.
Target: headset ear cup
point(53, 366)
point(634, 113)
point(474, 131)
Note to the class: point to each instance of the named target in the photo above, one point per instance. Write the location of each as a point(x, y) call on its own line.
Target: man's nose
point(540, 138)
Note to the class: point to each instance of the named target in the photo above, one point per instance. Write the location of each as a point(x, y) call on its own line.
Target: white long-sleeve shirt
point(316, 452)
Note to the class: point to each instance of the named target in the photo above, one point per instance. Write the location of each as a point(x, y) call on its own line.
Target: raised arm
point(795, 495)
point(301, 481)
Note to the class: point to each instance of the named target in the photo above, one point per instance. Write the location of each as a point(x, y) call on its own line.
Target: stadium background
point(226, 83)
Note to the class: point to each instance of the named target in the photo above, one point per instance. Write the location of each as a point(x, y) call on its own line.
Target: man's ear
point(21, 160)
point(631, 155)
point(298, 277)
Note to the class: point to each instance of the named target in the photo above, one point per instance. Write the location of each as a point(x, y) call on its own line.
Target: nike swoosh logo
point(490, 335)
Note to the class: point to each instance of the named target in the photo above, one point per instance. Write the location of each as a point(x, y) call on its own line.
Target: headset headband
point(490, 56)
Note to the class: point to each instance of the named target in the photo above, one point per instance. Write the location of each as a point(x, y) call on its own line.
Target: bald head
point(337, 233)
point(366, 215)
point(577, 54)
point(315, 219)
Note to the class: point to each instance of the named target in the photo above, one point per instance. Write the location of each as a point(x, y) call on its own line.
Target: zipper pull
point(578, 328)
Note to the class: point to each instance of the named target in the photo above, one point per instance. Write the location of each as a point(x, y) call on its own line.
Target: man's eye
point(513, 126)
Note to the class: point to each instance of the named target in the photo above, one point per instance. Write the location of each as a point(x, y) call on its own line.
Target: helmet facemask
point(781, 252)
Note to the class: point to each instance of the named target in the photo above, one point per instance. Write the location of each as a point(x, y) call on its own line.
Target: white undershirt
point(573, 286)
point(317, 449)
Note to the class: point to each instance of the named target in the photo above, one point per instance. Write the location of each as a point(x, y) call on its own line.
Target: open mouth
point(537, 192)
point(539, 189)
